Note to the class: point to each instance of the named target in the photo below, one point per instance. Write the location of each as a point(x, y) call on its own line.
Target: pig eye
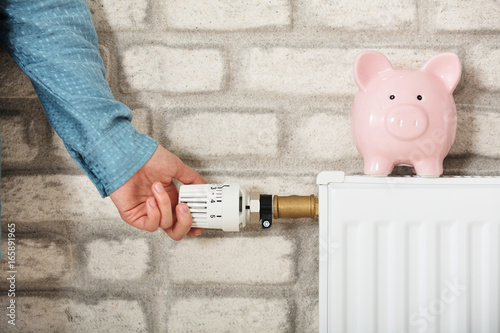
point(419, 97)
point(392, 97)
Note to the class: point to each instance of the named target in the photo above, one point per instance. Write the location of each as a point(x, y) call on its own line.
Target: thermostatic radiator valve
point(228, 206)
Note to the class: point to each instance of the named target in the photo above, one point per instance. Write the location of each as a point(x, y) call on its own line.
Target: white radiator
point(409, 254)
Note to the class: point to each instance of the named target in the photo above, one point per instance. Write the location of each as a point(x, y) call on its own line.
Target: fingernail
point(152, 203)
point(183, 209)
point(159, 188)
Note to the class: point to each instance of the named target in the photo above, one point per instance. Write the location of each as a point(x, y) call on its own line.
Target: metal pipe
point(295, 206)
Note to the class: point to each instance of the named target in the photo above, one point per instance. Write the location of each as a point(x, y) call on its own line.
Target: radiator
point(409, 254)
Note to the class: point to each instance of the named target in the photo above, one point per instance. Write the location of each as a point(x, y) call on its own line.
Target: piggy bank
point(404, 116)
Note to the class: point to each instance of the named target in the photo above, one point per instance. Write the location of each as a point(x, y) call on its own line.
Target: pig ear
point(445, 66)
point(369, 64)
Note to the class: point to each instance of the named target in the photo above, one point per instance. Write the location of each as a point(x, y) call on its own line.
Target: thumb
point(186, 175)
point(183, 223)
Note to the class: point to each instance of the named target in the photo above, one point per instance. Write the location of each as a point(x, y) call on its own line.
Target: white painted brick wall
point(356, 15)
point(216, 134)
point(127, 259)
point(312, 71)
point(309, 315)
point(119, 14)
point(163, 69)
point(68, 315)
point(141, 120)
point(239, 260)
point(324, 136)
point(291, 71)
point(482, 133)
point(16, 146)
point(485, 64)
point(40, 258)
point(463, 15)
point(13, 82)
point(53, 198)
point(229, 315)
point(227, 14)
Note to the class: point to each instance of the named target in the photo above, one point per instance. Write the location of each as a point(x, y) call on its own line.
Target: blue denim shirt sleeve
point(55, 44)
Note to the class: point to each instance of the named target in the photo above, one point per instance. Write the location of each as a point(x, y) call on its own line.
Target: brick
point(39, 259)
point(119, 14)
point(307, 314)
point(227, 14)
point(232, 260)
point(42, 314)
point(13, 82)
point(141, 120)
point(127, 259)
point(305, 71)
point(229, 315)
point(477, 133)
point(16, 145)
point(464, 15)
point(486, 67)
point(213, 134)
point(311, 71)
point(357, 15)
point(164, 69)
point(106, 59)
point(53, 198)
point(324, 137)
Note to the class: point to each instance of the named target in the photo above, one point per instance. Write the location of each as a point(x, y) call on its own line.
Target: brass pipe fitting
point(295, 206)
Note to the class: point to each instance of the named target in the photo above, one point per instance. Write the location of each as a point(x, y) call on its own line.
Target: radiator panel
point(409, 254)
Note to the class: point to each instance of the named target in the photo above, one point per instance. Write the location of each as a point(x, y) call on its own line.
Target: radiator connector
point(295, 206)
point(229, 207)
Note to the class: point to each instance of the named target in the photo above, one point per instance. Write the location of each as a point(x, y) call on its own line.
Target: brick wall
point(256, 92)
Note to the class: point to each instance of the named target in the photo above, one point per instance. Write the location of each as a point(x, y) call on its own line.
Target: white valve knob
point(216, 206)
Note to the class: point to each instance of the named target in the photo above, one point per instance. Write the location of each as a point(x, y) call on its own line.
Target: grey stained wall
point(257, 92)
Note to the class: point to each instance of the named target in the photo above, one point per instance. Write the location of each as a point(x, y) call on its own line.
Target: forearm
point(55, 44)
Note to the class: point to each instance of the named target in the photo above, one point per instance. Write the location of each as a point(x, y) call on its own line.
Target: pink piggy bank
point(403, 116)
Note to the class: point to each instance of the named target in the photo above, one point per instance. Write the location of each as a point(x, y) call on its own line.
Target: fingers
point(187, 175)
point(151, 221)
point(164, 205)
point(159, 213)
point(183, 224)
point(195, 232)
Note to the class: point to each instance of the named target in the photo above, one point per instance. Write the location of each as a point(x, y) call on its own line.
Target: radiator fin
point(434, 276)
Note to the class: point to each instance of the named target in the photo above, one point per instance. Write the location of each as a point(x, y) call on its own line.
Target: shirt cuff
point(116, 157)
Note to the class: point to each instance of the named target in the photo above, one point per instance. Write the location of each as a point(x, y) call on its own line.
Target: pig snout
point(406, 122)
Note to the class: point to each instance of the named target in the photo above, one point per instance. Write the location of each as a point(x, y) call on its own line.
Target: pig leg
point(432, 167)
point(378, 166)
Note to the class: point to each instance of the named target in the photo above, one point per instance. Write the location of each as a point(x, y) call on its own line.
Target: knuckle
point(167, 224)
point(151, 228)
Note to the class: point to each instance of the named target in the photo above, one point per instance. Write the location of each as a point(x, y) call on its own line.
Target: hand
point(148, 200)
